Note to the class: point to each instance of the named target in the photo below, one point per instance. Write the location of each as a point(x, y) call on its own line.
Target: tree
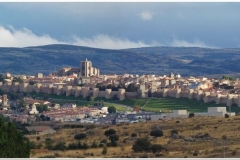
point(104, 151)
point(156, 133)
point(131, 88)
point(2, 92)
point(142, 145)
point(109, 132)
point(111, 109)
point(21, 103)
point(12, 143)
point(1, 78)
point(191, 115)
point(17, 79)
point(91, 98)
point(12, 106)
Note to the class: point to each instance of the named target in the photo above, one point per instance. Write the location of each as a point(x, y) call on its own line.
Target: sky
point(114, 25)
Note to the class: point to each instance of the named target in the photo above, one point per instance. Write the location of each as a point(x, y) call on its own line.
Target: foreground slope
point(197, 137)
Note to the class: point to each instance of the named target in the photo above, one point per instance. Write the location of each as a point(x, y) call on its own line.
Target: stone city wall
point(121, 93)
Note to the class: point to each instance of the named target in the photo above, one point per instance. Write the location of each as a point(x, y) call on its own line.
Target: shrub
point(113, 137)
point(141, 145)
point(226, 115)
point(156, 133)
point(191, 115)
point(109, 132)
point(155, 148)
point(94, 145)
point(80, 136)
point(100, 145)
point(133, 135)
point(111, 109)
point(85, 146)
point(60, 146)
point(104, 151)
point(234, 152)
point(195, 154)
point(114, 143)
point(177, 122)
point(174, 131)
point(103, 141)
point(145, 155)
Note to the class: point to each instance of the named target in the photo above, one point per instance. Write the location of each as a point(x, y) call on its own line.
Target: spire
point(86, 59)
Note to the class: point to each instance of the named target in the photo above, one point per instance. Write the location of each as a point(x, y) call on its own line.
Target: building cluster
point(86, 81)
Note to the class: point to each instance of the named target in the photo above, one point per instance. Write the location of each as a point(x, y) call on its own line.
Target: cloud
point(11, 37)
point(23, 38)
point(183, 43)
point(146, 15)
point(105, 41)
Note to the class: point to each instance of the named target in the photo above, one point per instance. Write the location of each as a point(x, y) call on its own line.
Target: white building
point(34, 109)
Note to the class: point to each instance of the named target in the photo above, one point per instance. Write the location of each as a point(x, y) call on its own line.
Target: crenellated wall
point(121, 93)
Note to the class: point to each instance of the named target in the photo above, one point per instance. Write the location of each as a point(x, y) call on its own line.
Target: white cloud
point(183, 43)
point(23, 38)
point(105, 41)
point(146, 15)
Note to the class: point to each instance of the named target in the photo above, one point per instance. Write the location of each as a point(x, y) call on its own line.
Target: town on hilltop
point(25, 98)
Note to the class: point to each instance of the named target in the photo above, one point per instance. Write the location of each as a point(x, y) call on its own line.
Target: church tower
point(85, 68)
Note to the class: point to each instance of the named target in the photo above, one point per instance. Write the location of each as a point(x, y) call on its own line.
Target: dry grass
point(216, 127)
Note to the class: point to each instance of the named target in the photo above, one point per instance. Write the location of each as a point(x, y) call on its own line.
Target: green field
point(168, 104)
point(80, 101)
point(154, 104)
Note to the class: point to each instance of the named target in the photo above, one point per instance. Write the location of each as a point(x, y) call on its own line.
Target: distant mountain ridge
point(147, 60)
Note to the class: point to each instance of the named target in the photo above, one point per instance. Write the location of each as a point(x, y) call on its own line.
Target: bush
point(174, 131)
point(104, 151)
point(155, 148)
point(144, 156)
point(177, 122)
point(133, 135)
point(60, 146)
point(109, 132)
point(100, 145)
point(85, 146)
point(113, 137)
point(111, 109)
point(156, 133)
point(226, 115)
point(191, 115)
point(80, 136)
point(103, 141)
point(234, 152)
point(142, 145)
point(94, 145)
point(195, 154)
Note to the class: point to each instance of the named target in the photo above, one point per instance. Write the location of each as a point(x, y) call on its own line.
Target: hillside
point(197, 137)
point(148, 60)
